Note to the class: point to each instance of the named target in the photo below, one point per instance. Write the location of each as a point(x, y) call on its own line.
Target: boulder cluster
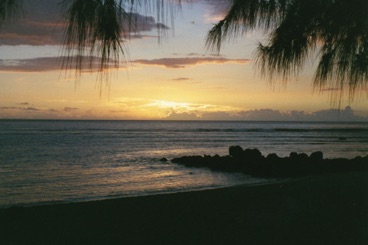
point(252, 162)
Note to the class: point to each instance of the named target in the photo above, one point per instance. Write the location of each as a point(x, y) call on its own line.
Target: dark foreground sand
point(330, 209)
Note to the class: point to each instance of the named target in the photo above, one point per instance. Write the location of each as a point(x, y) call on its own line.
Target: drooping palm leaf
point(335, 30)
point(9, 9)
point(245, 15)
point(95, 28)
point(98, 28)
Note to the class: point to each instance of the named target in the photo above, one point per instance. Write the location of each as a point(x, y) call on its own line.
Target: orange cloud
point(45, 64)
point(188, 61)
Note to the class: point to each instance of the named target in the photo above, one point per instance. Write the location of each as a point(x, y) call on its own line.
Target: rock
point(236, 151)
point(316, 156)
point(302, 157)
point(189, 160)
point(164, 159)
point(252, 154)
point(252, 162)
point(293, 155)
point(272, 157)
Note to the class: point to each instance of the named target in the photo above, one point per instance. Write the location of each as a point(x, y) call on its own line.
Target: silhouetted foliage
point(9, 9)
point(94, 26)
point(333, 31)
point(96, 30)
point(99, 28)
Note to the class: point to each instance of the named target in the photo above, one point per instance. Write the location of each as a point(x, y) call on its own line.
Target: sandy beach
point(327, 209)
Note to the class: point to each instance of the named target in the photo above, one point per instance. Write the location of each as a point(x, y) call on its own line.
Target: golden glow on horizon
point(162, 104)
point(44, 95)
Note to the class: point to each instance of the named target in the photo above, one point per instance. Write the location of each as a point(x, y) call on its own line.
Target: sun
point(163, 104)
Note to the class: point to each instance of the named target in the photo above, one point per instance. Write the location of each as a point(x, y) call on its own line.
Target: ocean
point(45, 161)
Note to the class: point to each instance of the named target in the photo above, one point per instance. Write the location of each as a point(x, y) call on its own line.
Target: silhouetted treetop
point(334, 32)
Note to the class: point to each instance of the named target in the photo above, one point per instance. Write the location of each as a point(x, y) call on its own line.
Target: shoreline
point(324, 209)
point(143, 194)
point(263, 181)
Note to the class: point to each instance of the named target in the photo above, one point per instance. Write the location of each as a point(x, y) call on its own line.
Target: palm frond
point(9, 9)
point(295, 29)
point(95, 28)
point(99, 28)
point(245, 15)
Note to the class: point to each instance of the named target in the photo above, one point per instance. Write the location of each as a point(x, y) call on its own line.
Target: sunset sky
point(174, 78)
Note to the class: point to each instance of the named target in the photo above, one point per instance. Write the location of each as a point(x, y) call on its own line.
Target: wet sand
point(326, 209)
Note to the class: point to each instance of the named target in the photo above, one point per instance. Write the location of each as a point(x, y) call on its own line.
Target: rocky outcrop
point(252, 162)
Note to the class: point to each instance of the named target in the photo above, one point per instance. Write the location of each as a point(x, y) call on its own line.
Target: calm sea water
point(66, 161)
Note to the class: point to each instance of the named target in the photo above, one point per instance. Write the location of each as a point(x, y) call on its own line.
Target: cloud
point(184, 62)
point(31, 65)
point(68, 109)
point(330, 89)
point(30, 109)
point(141, 36)
point(263, 115)
point(39, 112)
point(43, 23)
point(182, 116)
point(346, 114)
point(15, 108)
point(194, 54)
point(9, 108)
point(144, 23)
point(203, 114)
point(219, 116)
point(40, 25)
point(182, 79)
point(185, 80)
point(216, 10)
point(26, 110)
point(126, 102)
point(46, 64)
